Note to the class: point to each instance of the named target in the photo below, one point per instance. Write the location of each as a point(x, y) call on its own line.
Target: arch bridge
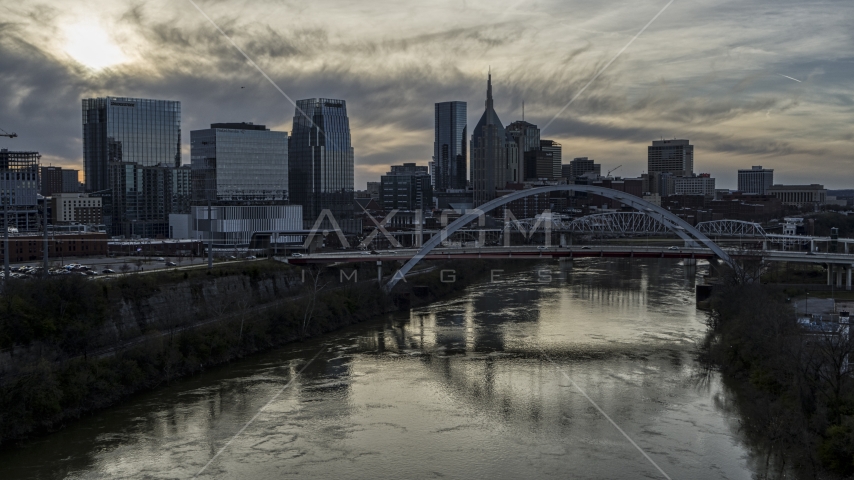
point(681, 228)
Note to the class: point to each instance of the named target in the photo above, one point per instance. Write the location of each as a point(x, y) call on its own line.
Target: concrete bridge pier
point(689, 262)
point(380, 271)
point(839, 276)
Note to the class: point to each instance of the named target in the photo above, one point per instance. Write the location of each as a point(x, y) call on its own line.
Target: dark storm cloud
point(713, 81)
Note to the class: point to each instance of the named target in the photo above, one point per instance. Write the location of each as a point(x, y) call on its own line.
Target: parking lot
point(105, 266)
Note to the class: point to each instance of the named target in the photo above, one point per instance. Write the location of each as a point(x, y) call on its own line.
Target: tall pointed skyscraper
point(488, 153)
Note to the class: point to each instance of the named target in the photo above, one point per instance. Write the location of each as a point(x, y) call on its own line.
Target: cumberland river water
point(487, 384)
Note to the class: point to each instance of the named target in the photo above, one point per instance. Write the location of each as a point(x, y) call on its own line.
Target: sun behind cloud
point(90, 45)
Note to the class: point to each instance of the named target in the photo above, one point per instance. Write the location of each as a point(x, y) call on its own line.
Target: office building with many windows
point(555, 149)
point(19, 188)
point(449, 146)
point(130, 130)
point(675, 157)
point(58, 180)
point(320, 161)
point(145, 196)
point(757, 180)
point(702, 184)
point(239, 162)
point(406, 187)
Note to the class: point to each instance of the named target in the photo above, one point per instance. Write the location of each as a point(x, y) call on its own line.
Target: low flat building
point(799, 195)
point(30, 247)
point(702, 184)
point(232, 226)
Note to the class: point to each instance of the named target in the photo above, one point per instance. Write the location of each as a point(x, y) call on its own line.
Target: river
point(525, 376)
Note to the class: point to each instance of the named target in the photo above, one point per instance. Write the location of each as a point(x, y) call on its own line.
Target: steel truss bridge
point(641, 223)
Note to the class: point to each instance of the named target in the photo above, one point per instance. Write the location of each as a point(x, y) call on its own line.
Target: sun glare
point(89, 45)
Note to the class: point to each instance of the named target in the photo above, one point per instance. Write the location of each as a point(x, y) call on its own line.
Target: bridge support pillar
point(812, 247)
point(689, 262)
point(380, 271)
point(764, 244)
point(839, 277)
point(829, 268)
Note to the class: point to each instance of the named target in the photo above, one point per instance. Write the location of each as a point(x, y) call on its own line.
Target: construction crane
point(613, 170)
point(7, 134)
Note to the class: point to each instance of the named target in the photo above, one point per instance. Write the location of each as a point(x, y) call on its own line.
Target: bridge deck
point(604, 251)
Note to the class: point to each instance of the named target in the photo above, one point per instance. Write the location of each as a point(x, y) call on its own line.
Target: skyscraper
point(239, 162)
point(406, 187)
point(449, 146)
point(131, 130)
point(488, 153)
point(556, 150)
point(756, 180)
point(671, 156)
point(675, 157)
point(526, 142)
point(320, 159)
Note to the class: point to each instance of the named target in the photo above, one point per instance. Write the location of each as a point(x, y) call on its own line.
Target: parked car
point(296, 254)
point(171, 264)
point(108, 271)
point(251, 257)
point(673, 248)
point(160, 259)
point(585, 247)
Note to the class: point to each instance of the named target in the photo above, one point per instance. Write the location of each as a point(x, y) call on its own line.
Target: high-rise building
point(526, 140)
point(58, 180)
point(406, 187)
point(756, 180)
point(19, 188)
point(488, 152)
point(70, 180)
point(143, 197)
point(320, 159)
point(239, 162)
point(51, 181)
point(129, 130)
point(449, 146)
point(555, 149)
point(579, 166)
point(539, 165)
point(675, 157)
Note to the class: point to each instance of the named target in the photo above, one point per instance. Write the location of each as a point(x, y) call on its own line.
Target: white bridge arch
point(678, 226)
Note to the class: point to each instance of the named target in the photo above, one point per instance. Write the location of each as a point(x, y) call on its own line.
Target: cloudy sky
point(749, 82)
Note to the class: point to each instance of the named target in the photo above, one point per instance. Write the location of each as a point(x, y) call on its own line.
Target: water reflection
point(457, 389)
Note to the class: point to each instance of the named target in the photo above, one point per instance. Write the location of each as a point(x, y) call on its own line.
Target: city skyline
point(743, 93)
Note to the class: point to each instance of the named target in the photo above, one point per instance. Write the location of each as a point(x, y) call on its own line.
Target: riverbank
point(793, 389)
point(171, 326)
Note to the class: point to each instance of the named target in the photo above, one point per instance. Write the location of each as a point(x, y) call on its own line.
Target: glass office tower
point(239, 162)
point(131, 130)
point(320, 159)
point(449, 146)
